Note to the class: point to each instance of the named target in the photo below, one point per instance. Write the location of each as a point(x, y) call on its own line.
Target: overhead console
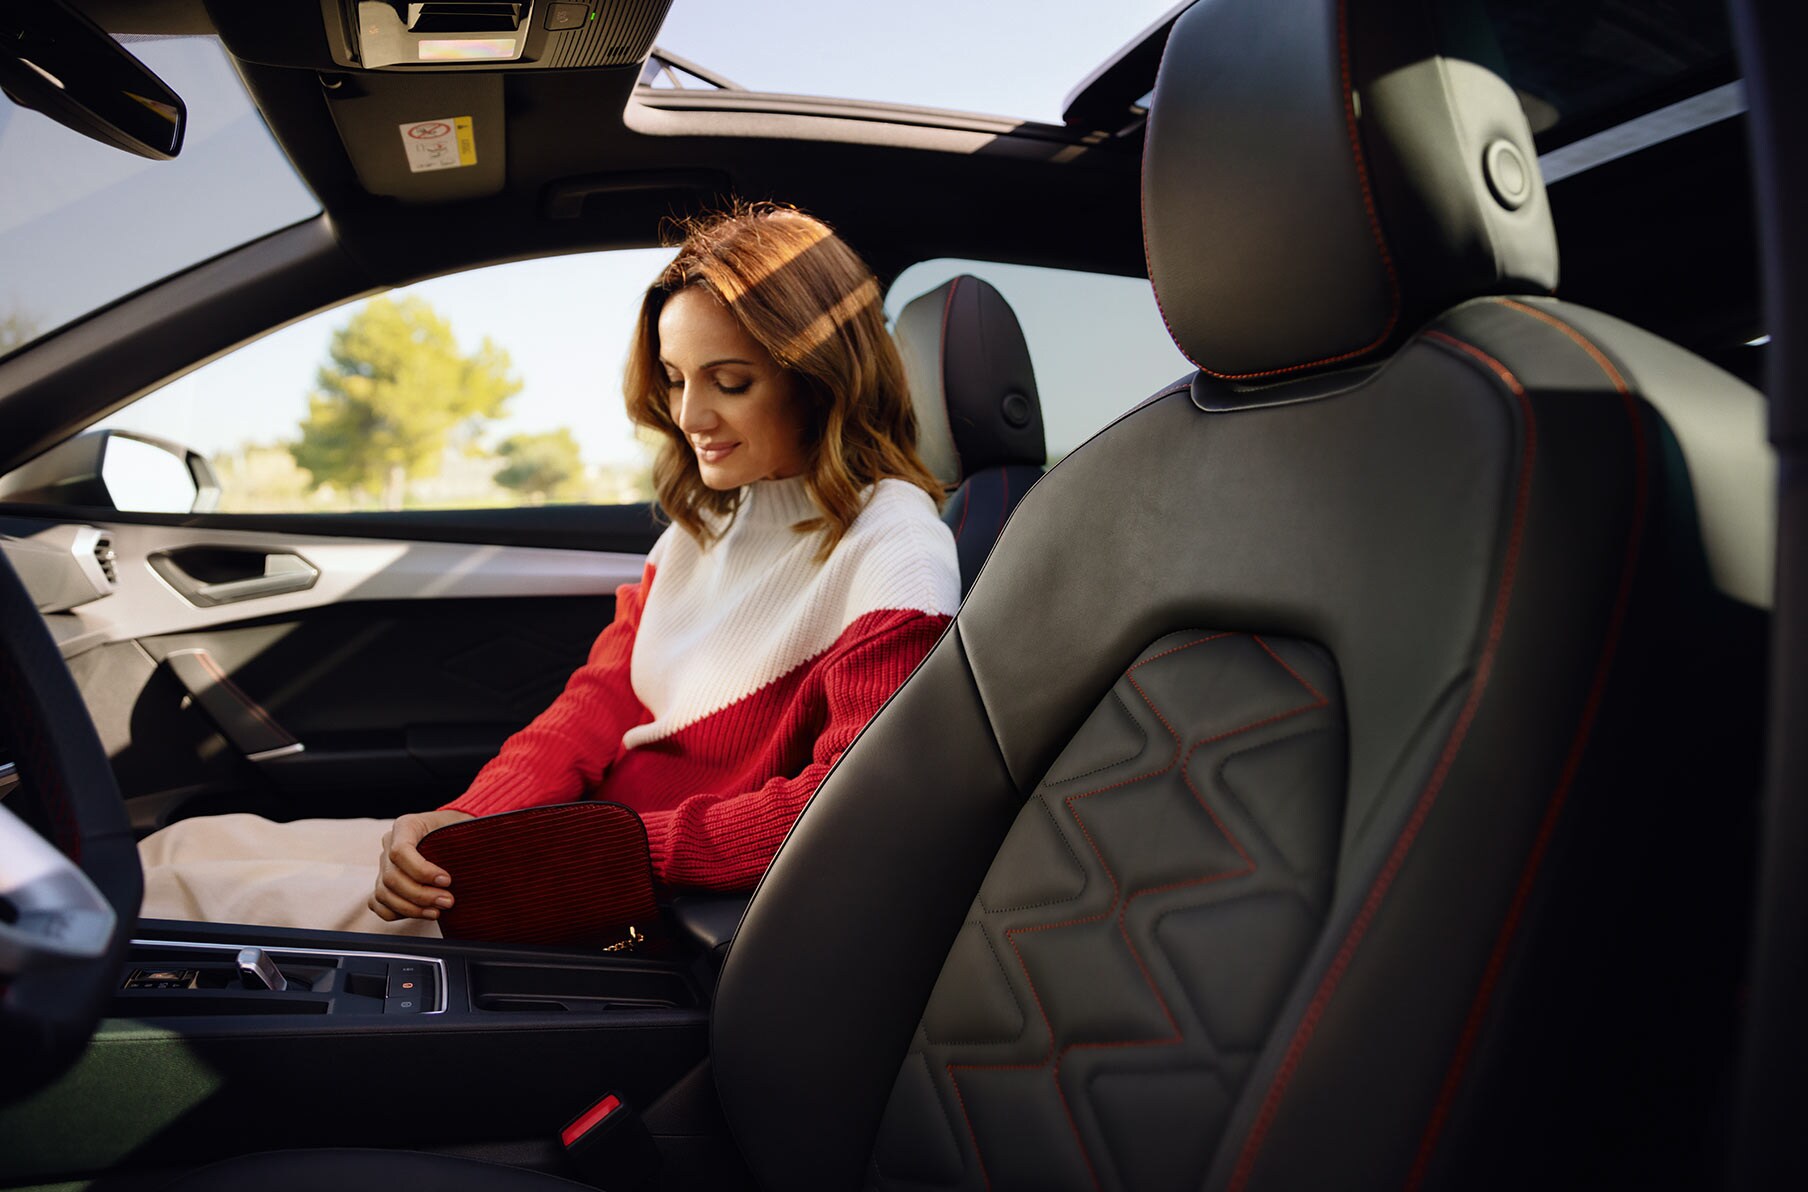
point(416, 88)
point(416, 35)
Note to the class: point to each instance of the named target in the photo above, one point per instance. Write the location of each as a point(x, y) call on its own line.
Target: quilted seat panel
point(1137, 933)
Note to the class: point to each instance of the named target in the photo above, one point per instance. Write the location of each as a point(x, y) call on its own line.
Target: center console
point(224, 1039)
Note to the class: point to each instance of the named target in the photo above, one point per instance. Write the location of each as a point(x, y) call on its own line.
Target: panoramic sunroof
point(1002, 57)
point(1583, 67)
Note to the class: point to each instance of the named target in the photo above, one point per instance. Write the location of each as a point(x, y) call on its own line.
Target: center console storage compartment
point(540, 987)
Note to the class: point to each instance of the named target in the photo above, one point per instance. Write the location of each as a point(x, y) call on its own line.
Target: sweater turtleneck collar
point(776, 503)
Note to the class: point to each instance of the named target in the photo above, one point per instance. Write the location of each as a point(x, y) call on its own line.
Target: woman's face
point(737, 408)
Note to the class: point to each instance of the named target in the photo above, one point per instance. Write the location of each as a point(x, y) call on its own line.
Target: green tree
point(393, 395)
point(542, 466)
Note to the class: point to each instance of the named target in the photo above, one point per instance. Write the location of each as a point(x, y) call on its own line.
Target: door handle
point(207, 576)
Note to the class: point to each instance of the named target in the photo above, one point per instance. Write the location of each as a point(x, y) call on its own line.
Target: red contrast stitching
point(1572, 762)
point(1599, 357)
point(1396, 858)
point(1122, 905)
point(1368, 205)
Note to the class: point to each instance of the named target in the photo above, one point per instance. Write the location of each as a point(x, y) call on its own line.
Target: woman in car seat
point(804, 575)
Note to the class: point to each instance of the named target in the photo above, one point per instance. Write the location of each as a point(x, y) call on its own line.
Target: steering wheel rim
point(70, 882)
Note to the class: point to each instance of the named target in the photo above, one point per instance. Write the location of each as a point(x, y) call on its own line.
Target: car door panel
point(381, 684)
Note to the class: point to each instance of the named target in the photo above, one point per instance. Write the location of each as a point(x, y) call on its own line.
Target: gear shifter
point(258, 971)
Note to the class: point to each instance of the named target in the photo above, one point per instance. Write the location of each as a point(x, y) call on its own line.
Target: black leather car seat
point(1302, 797)
point(978, 410)
point(1333, 789)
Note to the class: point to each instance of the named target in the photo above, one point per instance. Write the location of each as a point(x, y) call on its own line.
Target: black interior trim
point(1767, 1150)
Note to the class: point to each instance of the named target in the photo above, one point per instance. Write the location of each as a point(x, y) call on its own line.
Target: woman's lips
point(714, 452)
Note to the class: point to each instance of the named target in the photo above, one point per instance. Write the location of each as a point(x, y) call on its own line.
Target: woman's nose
point(694, 412)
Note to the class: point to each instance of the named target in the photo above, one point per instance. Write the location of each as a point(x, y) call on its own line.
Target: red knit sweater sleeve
point(725, 840)
point(562, 754)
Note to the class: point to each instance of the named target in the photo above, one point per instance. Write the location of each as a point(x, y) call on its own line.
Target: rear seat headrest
point(1321, 176)
point(971, 381)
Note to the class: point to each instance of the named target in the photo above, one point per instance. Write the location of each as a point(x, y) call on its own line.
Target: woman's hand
point(408, 885)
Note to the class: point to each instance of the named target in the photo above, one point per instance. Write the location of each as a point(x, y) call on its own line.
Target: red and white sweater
point(733, 677)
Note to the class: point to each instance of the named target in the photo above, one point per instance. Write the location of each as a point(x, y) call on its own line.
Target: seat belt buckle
point(609, 1146)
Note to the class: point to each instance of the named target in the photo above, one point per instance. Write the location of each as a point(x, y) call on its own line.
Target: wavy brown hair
point(810, 301)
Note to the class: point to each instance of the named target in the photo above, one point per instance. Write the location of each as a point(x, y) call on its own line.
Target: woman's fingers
point(400, 849)
point(408, 885)
point(391, 906)
point(405, 887)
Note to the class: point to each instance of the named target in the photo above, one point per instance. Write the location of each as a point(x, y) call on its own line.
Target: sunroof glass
point(1582, 66)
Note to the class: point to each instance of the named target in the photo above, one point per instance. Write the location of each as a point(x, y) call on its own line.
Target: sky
point(80, 224)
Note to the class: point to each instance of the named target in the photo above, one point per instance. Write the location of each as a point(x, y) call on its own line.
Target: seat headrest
point(971, 381)
point(1322, 176)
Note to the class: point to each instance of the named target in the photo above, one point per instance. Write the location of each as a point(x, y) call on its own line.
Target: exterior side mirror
point(119, 470)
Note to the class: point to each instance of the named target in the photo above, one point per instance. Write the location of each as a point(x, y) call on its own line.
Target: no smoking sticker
point(439, 144)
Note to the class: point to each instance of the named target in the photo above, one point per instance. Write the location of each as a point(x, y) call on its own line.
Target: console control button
point(410, 978)
point(163, 979)
point(404, 1003)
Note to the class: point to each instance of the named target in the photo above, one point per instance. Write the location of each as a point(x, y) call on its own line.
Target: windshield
point(83, 224)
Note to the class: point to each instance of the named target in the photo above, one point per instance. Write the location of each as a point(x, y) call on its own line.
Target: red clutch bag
point(573, 873)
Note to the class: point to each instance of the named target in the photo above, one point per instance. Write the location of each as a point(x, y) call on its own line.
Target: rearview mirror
point(58, 62)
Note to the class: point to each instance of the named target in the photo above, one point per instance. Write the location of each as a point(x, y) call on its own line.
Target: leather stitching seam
point(1129, 757)
point(1396, 859)
point(1067, 844)
point(1368, 204)
point(1472, 1025)
point(1223, 785)
point(1120, 902)
point(932, 1041)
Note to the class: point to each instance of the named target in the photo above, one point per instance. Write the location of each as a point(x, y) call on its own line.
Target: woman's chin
point(721, 479)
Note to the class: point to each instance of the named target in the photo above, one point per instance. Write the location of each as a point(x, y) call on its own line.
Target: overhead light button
point(566, 16)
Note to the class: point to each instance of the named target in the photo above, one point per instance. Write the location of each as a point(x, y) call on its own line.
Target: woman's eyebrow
point(711, 364)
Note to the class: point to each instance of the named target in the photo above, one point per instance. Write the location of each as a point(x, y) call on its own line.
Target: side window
point(1097, 340)
point(494, 387)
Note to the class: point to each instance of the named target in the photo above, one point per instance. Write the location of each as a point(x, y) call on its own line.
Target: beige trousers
point(314, 874)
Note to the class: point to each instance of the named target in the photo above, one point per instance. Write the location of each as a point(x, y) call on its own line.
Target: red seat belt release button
point(609, 1146)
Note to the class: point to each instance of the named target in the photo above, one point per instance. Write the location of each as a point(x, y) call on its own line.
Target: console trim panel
point(439, 966)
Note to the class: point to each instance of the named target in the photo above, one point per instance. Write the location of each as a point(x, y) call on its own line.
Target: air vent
point(451, 16)
point(103, 554)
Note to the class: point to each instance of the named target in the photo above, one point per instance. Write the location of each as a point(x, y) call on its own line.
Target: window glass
point(1097, 340)
point(495, 387)
point(83, 224)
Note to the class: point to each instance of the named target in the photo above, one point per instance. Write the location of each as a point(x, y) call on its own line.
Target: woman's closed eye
point(726, 386)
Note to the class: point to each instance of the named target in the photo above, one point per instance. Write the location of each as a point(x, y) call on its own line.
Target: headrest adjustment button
point(1509, 174)
point(1016, 410)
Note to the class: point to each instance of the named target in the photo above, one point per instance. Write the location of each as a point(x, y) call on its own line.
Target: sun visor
point(445, 35)
point(426, 140)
